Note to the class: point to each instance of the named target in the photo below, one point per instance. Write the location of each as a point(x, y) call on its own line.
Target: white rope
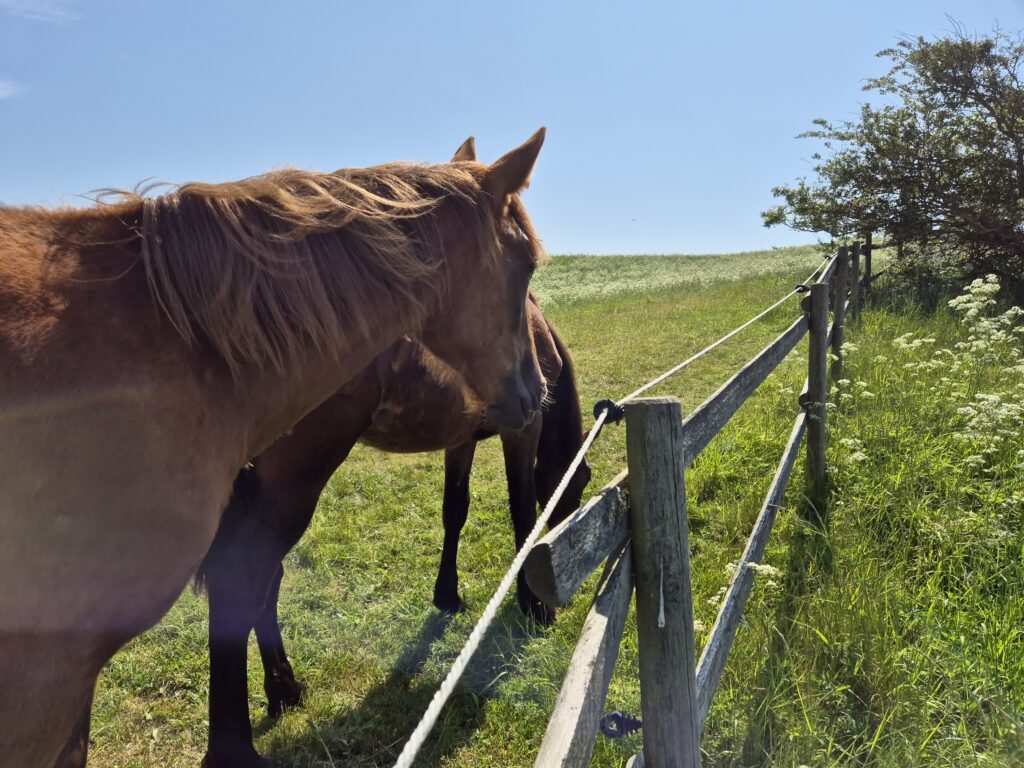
point(433, 712)
point(429, 718)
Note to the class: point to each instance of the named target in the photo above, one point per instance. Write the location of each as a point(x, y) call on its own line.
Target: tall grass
point(896, 638)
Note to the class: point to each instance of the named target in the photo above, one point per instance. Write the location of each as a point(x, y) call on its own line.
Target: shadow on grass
point(374, 732)
point(810, 555)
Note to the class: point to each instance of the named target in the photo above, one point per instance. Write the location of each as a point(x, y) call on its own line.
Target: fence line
point(557, 565)
point(447, 687)
point(723, 632)
point(676, 693)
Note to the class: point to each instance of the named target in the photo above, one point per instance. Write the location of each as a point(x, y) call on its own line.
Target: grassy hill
point(892, 638)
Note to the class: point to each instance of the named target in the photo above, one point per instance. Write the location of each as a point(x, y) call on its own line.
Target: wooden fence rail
point(638, 525)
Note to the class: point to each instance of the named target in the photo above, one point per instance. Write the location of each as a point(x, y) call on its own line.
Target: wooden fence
point(637, 525)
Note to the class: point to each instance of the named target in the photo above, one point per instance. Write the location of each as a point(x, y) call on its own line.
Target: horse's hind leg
point(454, 509)
point(279, 682)
point(520, 450)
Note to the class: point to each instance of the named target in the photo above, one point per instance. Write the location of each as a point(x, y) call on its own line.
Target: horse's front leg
point(76, 750)
point(520, 450)
point(279, 683)
point(454, 509)
point(238, 583)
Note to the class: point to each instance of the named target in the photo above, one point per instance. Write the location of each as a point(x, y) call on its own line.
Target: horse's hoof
point(449, 604)
point(284, 693)
point(249, 758)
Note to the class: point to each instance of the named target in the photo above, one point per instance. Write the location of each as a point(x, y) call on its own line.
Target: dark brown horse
point(150, 348)
point(408, 401)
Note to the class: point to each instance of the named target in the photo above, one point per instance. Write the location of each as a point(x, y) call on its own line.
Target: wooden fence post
point(817, 394)
point(854, 310)
point(664, 603)
point(868, 247)
point(840, 282)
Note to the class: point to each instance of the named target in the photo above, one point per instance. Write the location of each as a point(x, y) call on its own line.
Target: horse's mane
point(265, 267)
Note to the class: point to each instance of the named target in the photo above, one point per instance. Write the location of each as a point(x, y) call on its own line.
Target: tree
point(941, 167)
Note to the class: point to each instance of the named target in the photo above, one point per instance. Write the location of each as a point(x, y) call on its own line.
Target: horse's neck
point(273, 401)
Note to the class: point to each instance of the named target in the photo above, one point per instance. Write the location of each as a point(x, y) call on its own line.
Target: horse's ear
point(466, 151)
point(511, 172)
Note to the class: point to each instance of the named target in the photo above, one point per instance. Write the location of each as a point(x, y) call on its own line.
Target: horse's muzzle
point(520, 405)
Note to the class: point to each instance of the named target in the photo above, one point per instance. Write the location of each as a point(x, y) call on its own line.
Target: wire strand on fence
point(447, 687)
point(673, 371)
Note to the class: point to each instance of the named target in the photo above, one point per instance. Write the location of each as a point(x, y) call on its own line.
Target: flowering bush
point(978, 380)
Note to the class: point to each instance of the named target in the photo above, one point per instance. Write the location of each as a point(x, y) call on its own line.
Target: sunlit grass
point(572, 279)
point(891, 639)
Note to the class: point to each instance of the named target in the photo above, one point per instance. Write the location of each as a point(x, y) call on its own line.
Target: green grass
point(892, 638)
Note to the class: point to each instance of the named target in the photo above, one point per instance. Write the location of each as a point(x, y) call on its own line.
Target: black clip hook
point(618, 725)
point(615, 412)
point(802, 288)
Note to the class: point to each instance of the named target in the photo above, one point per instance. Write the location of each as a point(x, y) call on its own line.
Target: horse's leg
point(241, 580)
point(520, 450)
point(237, 582)
point(267, 515)
point(46, 697)
point(76, 750)
point(279, 682)
point(454, 509)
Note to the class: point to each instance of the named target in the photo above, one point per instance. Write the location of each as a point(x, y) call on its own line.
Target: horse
point(150, 346)
point(407, 401)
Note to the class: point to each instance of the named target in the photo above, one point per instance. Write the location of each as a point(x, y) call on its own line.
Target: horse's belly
point(104, 514)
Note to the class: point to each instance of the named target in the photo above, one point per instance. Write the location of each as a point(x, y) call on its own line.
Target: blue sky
point(668, 123)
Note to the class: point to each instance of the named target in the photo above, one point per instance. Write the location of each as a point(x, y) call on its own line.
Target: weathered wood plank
point(868, 249)
point(716, 650)
point(876, 275)
point(661, 557)
point(561, 561)
point(569, 739)
point(817, 276)
point(713, 414)
point(826, 273)
point(854, 311)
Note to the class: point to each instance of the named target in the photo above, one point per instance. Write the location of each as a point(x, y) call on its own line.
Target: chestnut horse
point(407, 402)
point(149, 348)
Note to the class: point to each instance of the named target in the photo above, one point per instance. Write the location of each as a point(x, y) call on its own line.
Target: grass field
point(893, 638)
